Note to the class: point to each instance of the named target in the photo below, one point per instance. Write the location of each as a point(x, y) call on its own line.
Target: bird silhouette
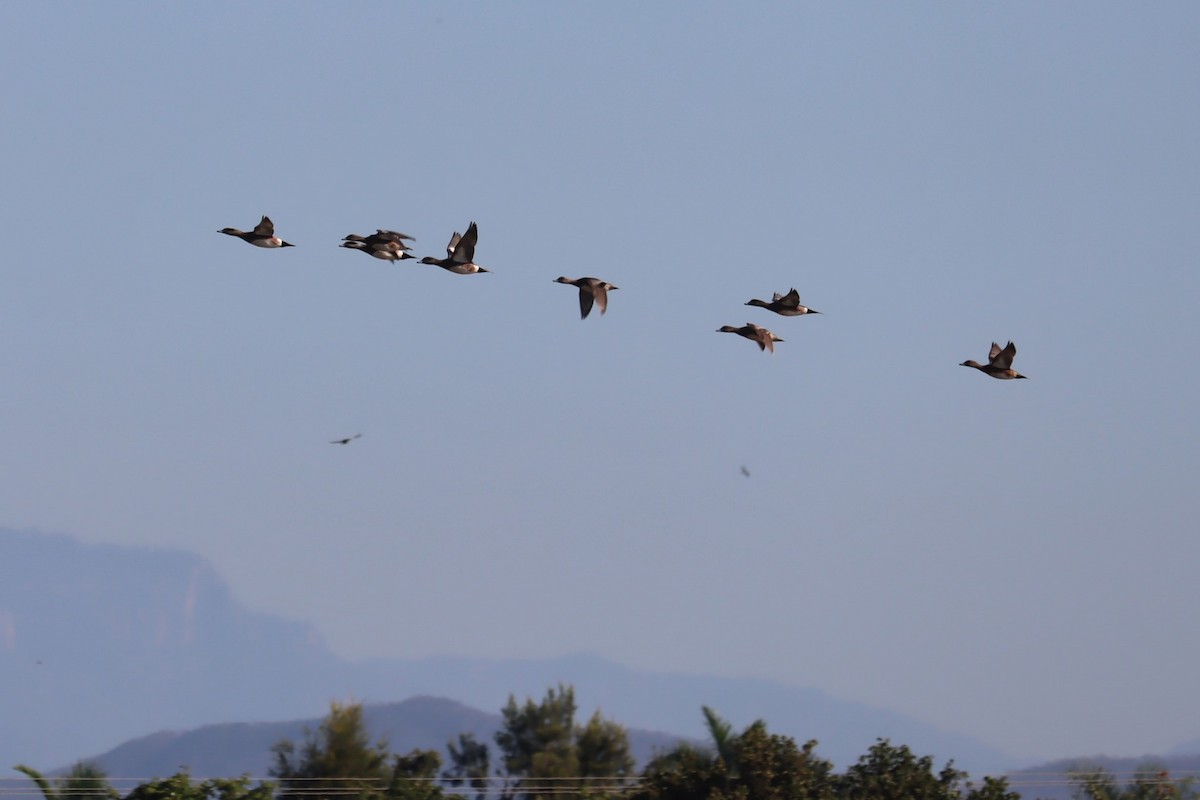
point(999, 363)
point(590, 290)
point(263, 234)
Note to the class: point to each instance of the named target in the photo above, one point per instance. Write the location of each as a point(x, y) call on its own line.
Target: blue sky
point(1015, 560)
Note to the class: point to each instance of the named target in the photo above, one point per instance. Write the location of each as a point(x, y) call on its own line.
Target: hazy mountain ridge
point(100, 644)
point(427, 723)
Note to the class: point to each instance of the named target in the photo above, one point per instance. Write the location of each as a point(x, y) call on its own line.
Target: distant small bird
point(263, 235)
point(999, 363)
point(765, 339)
point(386, 245)
point(590, 289)
point(347, 440)
point(460, 253)
point(786, 304)
point(745, 471)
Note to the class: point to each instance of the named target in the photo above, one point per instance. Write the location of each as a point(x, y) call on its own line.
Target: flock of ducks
point(460, 259)
point(786, 305)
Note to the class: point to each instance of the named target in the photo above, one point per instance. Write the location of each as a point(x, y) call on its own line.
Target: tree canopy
point(752, 765)
point(542, 751)
point(85, 781)
point(339, 761)
point(758, 765)
point(1151, 781)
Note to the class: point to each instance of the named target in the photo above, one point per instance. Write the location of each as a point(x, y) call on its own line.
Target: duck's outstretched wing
point(266, 227)
point(586, 299)
point(600, 292)
point(1002, 358)
point(464, 248)
point(791, 299)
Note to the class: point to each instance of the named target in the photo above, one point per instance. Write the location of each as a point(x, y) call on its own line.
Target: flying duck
point(786, 304)
point(263, 235)
point(381, 237)
point(765, 339)
point(999, 363)
point(386, 245)
point(590, 290)
point(347, 440)
point(387, 251)
point(460, 253)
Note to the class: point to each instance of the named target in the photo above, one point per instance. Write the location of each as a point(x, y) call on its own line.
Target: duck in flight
point(591, 290)
point(347, 440)
point(999, 363)
point(460, 253)
point(263, 235)
point(786, 304)
point(386, 245)
point(763, 337)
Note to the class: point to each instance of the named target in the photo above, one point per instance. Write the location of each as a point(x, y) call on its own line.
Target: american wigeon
point(460, 253)
point(386, 245)
point(385, 250)
point(786, 304)
point(263, 235)
point(763, 337)
point(382, 237)
point(590, 290)
point(999, 363)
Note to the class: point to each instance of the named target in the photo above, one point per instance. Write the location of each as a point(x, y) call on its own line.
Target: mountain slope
point(237, 748)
